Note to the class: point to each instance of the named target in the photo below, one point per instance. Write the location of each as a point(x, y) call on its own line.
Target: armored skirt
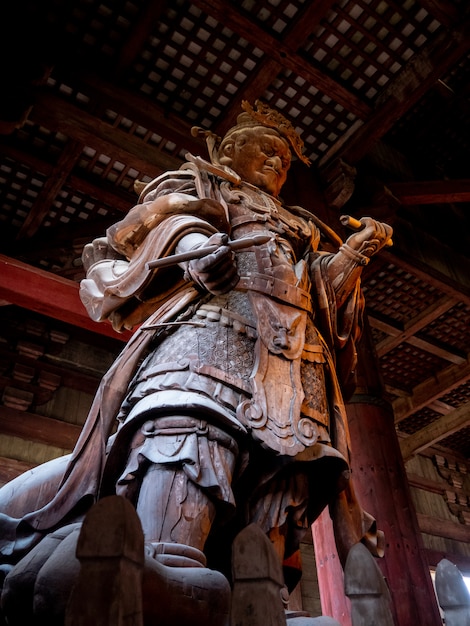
point(238, 391)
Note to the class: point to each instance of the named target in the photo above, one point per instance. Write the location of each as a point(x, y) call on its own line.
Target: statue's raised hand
point(370, 237)
point(216, 272)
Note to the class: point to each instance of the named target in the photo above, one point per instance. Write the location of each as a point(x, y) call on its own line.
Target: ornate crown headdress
point(265, 116)
point(262, 115)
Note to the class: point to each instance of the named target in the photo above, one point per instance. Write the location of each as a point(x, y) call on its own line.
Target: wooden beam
point(443, 528)
point(58, 115)
point(256, 85)
point(52, 186)
point(268, 69)
point(141, 29)
point(48, 294)
point(426, 484)
point(141, 110)
point(438, 449)
point(431, 192)
point(438, 350)
point(431, 389)
point(412, 327)
point(231, 18)
point(104, 192)
point(385, 326)
point(402, 93)
point(422, 269)
point(441, 407)
point(98, 189)
point(38, 428)
point(396, 391)
point(435, 263)
point(25, 157)
point(443, 10)
point(70, 377)
point(436, 431)
point(398, 336)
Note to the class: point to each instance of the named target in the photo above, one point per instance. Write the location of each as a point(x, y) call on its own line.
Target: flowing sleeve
point(341, 327)
point(118, 287)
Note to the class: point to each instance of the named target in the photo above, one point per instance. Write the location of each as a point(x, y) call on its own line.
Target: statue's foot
point(178, 588)
point(175, 554)
point(41, 582)
point(101, 566)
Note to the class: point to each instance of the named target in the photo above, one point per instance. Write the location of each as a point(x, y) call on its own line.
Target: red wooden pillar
point(382, 488)
point(329, 572)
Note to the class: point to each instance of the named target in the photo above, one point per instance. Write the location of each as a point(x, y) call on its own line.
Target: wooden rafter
point(283, 54)
point(431, 389)
point(48, 294)
point(419, 262)
point(440, 407)
point(399, 335)
point(269, 68)
point(421, 73)
point(141, 110)
point(431, 192)
point(60, 116)
point(438, 350)
point(141, 29)
point(38, 428)
point(436, 431)
point(101, 190)
point(53, 185)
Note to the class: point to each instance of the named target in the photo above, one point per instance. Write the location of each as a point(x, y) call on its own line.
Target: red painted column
point(329, 572)
point(382, 488)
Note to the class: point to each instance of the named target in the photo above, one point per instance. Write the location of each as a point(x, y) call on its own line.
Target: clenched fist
point(217, 271)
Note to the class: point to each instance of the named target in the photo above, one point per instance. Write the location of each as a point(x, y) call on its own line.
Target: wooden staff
point(354, 224)
point(238, 244)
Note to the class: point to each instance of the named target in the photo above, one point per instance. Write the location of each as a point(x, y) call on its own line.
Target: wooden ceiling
point(99, 94)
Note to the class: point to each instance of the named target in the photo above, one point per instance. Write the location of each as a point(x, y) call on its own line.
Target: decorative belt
point(271, 286)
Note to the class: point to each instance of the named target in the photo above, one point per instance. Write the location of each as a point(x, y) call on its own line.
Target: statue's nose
point(281, 339)
point(274, 162)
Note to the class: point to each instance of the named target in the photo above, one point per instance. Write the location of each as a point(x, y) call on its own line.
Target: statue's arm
point(344, 268)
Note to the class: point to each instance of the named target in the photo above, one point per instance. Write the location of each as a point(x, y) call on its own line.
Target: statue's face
point(260, 157)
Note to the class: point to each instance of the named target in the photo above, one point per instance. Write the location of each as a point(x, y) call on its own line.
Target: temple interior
point(98, 95)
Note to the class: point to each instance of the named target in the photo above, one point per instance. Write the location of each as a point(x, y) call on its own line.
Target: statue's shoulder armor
point(182, 180)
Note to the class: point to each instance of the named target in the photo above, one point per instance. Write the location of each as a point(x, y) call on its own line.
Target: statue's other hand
point(216, 272)
point(371, 237)
point(98, 250)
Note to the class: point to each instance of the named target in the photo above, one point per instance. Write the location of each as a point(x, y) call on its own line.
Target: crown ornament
point(265, 116)
point(261, 115)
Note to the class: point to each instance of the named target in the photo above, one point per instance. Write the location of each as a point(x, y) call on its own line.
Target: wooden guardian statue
point(228, 398)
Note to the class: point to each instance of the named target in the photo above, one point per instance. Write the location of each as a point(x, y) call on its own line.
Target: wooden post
point(329, 571)
point(382, 487)
point(110, 549)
